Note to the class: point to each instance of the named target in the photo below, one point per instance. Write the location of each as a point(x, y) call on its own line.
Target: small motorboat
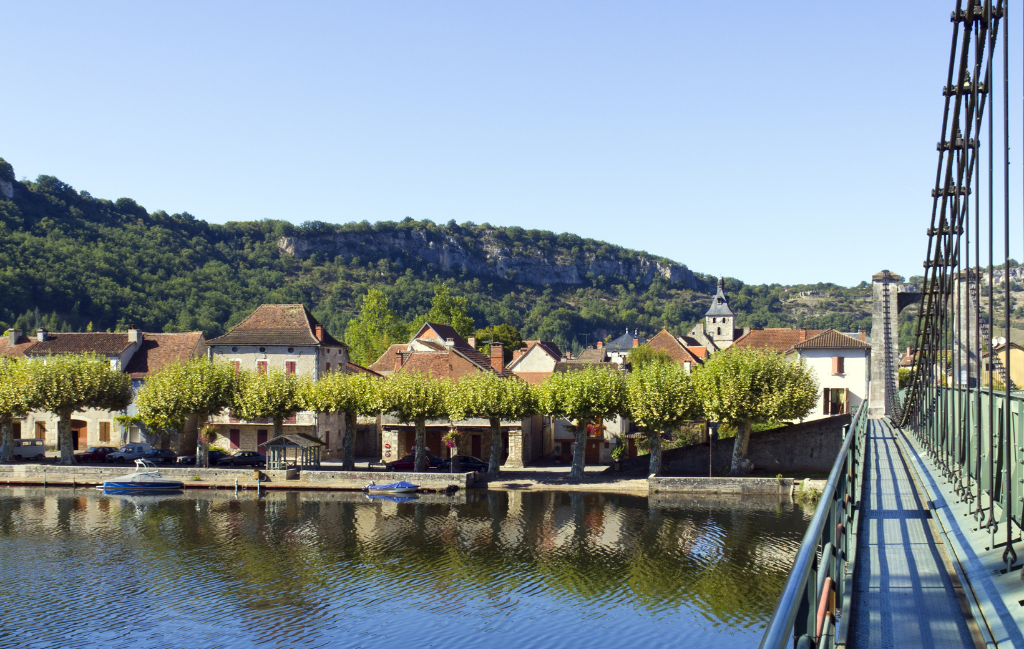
point(394, 499)
point(401, 487)
point(146, 479)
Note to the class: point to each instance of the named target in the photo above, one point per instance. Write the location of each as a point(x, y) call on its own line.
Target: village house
point(535, 362)
point(440, 352)
point(285, 337)
point(677, 350)
point(842, 366)
point(137, 353)
point(1016, 364)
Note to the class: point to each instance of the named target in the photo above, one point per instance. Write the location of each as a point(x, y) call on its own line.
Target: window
point(327, 370)
point(837, 364)
point(234, 437)
point(289, 367)
point(719, 331)
point(104, 431)
point(261, 367)
point(238, 366)
point(17, 430)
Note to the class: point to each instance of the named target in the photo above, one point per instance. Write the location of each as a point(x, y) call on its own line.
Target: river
point(335, 569)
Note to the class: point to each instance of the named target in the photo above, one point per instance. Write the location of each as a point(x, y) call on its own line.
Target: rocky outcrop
point(449, 254)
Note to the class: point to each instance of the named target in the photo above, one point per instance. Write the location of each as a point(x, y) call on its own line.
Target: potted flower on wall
point(619, 452)
point(451, 441)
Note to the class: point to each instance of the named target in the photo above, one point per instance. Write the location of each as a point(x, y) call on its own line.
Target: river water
point(301, 569)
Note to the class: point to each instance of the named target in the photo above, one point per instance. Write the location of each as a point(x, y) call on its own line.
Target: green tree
point(509, 337)
point(271, 394)
point(18, 396)
point(70, 383)
point(197, 387)
point(494, 398)
point(586, 395)
point(644, 354)
point(354, 395)
point(415, 398)
point(448, 310)
point(742, 387)
point(375, 329)
point(659, 397)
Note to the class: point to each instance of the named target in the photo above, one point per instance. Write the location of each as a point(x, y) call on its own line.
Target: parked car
point(466, 463)
point(29, 449)
point(128, 453)
point(243, 458)
point(215, 457)
point(408, 463)
point(161, 456)
point(95, 454)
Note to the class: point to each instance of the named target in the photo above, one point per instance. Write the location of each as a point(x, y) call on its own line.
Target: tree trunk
point(202, 449)
point(67, 447)
point(348, 453)
point(494, 463)
point(421, 444)
point(740, 464)
point(579, 450)
point(654, 467)
point(7, 446)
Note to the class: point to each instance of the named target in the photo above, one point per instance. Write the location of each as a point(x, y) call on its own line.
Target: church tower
point(720, 321)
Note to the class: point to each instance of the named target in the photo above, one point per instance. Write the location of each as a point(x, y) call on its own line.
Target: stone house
point(718, 331)
point(842, 366)
point(286, 337)
point(535, 361)
point(1016, 364)
point(674, 347)
point(560, 437)
point(135, 352)
point(439, 351)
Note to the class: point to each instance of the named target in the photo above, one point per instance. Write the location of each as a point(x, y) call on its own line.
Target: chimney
point(133, 334)
point(398, 360)
point(497, 357)
point(910, 350)
point(12, 337)
point(40, 334)
point(449, 343)
point(803, 336)
point(862, 335)
point(516, 355)
point(600, 344)
point(318, 331)
point(472, 341)
point(636, 341)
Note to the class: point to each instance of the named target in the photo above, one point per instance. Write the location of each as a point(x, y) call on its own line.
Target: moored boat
point(401, 487)
point(145, 479)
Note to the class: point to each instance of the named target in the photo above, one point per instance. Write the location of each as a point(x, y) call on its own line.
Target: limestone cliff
point(489, 253)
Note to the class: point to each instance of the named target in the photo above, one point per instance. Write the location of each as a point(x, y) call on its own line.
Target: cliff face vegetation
point(73, 261)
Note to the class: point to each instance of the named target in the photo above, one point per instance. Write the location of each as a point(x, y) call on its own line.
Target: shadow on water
point(337, 569)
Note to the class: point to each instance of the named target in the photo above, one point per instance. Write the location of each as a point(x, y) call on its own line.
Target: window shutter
point(826, 402)
point(261, 367)
point(846, 404)
point(839, 364)
point(289, 367)
point(327, 370)
point(238, 366)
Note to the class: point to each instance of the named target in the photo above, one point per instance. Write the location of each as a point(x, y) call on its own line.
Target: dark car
point(408, 463)
point(215, 457)
point(161, 456)
point(94, 454)
point(243, 458)
point(466, 463)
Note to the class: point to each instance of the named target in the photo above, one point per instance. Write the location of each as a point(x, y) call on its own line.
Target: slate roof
point(624, 343)
point(160, 350)
point(277, 324)
point(104, 344)
point(832, 339)
point(720, 305)
point(16, 350)
point(780, 339)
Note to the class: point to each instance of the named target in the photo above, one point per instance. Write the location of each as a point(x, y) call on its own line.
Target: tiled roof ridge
point(832, 339)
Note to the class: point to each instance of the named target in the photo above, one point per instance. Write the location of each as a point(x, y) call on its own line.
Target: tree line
point(737, 388)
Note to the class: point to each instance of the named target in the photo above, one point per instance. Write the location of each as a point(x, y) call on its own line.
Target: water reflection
point(337, 569)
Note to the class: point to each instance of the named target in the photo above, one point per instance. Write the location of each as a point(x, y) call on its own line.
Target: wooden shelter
point(294, 450)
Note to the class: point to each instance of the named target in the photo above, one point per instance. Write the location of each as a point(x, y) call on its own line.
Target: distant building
point(718, 331)
point(842, 365)
point(535, 361)
point(674, 347)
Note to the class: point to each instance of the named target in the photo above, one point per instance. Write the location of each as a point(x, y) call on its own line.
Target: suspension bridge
point(915, 541)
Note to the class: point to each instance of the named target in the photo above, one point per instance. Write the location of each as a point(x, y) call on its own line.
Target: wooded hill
point(71, 261)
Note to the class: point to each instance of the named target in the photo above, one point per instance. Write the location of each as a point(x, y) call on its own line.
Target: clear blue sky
point(769, 142)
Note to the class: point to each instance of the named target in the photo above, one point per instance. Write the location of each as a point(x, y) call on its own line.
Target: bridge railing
point(976, 441)
point(819, 588)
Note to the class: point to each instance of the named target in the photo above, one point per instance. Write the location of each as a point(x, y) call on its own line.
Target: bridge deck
point(903, 594)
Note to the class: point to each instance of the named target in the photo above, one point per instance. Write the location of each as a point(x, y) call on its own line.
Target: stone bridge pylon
point(888, 298)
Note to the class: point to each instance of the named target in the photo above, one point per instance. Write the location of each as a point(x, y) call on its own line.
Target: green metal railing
point(974, 437)
point(819, 588)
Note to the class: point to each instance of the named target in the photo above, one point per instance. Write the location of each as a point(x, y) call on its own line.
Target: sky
point(772, 143)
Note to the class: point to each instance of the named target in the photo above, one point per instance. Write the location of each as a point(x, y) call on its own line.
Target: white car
point(29, 449)
point(129, 452)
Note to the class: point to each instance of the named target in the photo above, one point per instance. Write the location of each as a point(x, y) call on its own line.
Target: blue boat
point(146, 479)
point(401, 487)
point(394, 499)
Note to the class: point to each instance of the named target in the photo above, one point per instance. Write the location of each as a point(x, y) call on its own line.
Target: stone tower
point(720, 321)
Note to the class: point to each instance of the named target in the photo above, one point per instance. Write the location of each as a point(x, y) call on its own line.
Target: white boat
point(146, 478)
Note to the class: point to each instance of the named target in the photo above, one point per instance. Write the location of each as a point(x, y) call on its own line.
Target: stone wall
point(738, 486)
point(810, 447)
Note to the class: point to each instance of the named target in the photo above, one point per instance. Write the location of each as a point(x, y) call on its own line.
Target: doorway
point(79, 434)
point(475, 446)
point(593, 454)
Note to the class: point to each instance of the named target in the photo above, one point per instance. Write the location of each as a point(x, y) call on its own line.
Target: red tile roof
point(355, 368)
point(666, 342)
point(16, 350)
point(781, 340)
point(832, 339)
point(700, 351)
point(104, 344)
point(159, 350)
point(278, 324)
point(386, 362)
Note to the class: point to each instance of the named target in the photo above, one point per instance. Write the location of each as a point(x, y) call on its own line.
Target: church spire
point(720, 305)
